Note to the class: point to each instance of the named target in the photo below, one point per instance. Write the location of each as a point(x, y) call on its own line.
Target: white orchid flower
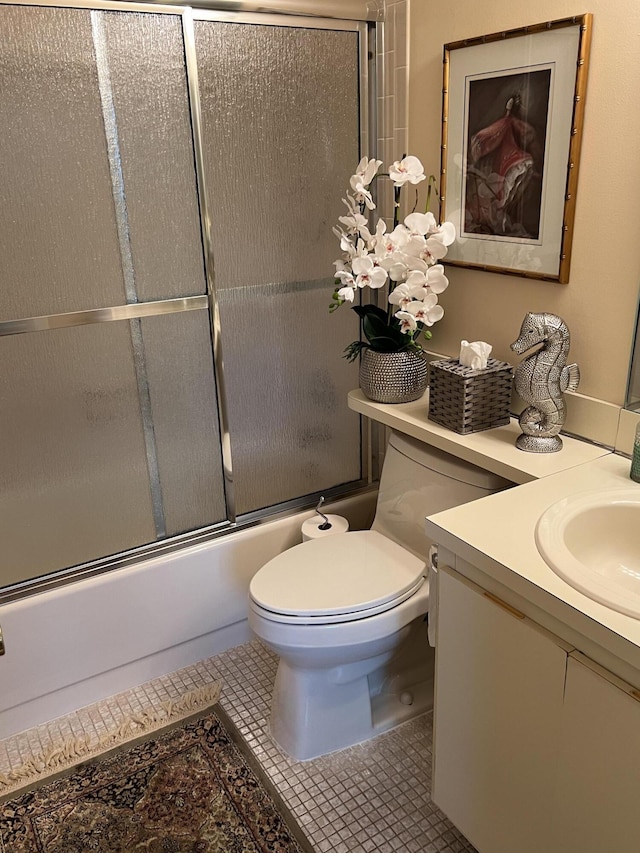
point(396, 268)
point(421, 223)
point(434, 249)
point(353, 222)
point(426, 312)
point(431, 249)
point(381, 229)
point(417, 281)
point(348, 285)
point(345, 275)
point(399, 264)
point(408, 322)
point(400, 236)
point(367, 273)
point(406, 259)
point(361, 248)
point(347, 246)
point(445, 232)
point(437, 282)
point(379, 240)
point(351, 204)
point(347, 293)
point(367, 236)
point(408, 170)
point(366, 171)
point(422, 283)
point(401, 295)
point(390, 248)
point(415, 245)
point(359, 182)
point(362, 194)
point(346, 240)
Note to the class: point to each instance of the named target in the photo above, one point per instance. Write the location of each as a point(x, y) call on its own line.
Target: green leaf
point(374, 327)
point(354, 349)
point(370, 311)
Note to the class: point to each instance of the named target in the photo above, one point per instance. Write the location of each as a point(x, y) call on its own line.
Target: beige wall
point(599, 302)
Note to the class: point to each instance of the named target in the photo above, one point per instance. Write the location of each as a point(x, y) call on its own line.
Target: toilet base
point(404, 696)
point(318, 711)
point(312, 716)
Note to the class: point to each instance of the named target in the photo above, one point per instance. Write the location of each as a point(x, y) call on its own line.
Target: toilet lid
point(347, 576)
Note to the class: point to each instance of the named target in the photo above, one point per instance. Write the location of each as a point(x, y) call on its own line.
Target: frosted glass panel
point(182, 389)
point(58, 241)
point(292, 433)
point(73, 466)
point(145, 56)
point(110, 432)
point(280, 127)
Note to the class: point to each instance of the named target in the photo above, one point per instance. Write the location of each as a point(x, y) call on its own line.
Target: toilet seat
point(337, 579)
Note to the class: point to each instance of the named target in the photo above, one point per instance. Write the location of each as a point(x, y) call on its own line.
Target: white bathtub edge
point(80, 643)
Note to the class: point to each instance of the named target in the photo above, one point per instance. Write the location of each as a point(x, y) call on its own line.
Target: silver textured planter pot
point(393, 377)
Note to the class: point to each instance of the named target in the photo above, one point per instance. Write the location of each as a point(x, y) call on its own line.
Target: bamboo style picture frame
point(512, 116)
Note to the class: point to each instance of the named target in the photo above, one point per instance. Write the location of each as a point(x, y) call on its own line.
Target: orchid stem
point(396, 205)
point(431, 185)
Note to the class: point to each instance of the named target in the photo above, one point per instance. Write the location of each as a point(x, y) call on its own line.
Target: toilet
point(347, 614)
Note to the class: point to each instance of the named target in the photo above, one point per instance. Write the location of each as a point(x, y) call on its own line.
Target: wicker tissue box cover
point(466, 400)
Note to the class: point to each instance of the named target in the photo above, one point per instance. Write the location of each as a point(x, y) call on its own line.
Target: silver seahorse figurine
point(541, 379)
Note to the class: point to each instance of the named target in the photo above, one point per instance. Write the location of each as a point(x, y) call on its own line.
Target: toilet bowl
point(346, 614)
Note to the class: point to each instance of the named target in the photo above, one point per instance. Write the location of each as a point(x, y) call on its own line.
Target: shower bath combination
point(131, 136)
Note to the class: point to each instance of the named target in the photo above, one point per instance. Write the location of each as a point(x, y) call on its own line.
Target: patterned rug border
point(58, 759)
point(254, 765)
point(235, 740)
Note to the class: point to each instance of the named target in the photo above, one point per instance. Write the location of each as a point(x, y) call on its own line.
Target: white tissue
point(474, 355)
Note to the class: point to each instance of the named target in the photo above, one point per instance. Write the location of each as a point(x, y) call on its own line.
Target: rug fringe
point(84, 747)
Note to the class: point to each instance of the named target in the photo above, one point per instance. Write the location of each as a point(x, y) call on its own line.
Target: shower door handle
point(2, 648)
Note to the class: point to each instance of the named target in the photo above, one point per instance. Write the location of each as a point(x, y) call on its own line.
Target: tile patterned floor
point(370, 797)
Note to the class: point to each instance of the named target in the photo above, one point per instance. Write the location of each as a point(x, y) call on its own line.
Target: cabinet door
point(499, 691)
point(599, 779)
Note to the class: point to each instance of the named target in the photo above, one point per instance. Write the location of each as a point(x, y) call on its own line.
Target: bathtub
point(82, 642)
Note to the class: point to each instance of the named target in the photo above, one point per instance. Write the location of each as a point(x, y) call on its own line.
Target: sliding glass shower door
point(280, 130)
point(166, 200)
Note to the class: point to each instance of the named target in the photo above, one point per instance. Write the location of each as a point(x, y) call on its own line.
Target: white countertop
point(497, 535)
point(493, 449)
point(493, 539)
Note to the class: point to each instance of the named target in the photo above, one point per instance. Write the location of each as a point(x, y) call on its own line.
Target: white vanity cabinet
point(499, 693)
point(536, 748)
point(598, 786)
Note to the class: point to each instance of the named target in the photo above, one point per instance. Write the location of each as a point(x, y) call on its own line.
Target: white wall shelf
point(492, 449)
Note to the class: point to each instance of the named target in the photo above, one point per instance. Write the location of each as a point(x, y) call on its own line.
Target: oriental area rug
point(191, 788)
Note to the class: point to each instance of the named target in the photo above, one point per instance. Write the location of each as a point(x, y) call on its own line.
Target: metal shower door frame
point(356, 15)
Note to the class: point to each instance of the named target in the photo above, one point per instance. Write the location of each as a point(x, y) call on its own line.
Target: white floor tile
point(370, 797)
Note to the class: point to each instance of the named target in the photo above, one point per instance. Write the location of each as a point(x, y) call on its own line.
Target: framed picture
point(513, 104)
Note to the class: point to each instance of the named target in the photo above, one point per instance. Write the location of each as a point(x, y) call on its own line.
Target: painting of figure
point(505, 138)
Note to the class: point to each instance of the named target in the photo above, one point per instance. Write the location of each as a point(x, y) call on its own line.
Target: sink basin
point(592, 541)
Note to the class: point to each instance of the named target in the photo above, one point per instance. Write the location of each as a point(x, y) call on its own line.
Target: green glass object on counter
point(635, 459)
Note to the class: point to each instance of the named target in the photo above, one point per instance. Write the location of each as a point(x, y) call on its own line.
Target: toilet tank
point(419, 480)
